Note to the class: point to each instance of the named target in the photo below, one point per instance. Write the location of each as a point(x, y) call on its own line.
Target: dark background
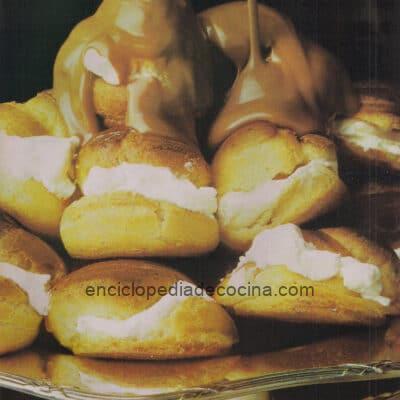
point(365, 34)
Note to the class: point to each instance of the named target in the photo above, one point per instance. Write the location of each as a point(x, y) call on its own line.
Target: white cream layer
point(367, 136)
point(156, 183)
point(244, 208)
point(46, 159)
point(101, 66)
point(33, 284)
point(97, 385)
point(285, 245)
point(397, 251)
point(143, 325)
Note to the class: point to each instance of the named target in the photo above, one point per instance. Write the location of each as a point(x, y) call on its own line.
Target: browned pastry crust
point(332, 302)
point(196, 328)
point(38, 116)
point(115, 146)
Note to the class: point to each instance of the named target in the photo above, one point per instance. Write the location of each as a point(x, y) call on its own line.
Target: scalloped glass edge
point(223, 390)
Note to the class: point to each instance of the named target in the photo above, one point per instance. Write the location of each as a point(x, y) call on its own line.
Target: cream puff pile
point(144, 188)
point(28, 268)
point(36, 164)
point(183, 323)
point(266, 176)
point(352, 280)
point(143, 195)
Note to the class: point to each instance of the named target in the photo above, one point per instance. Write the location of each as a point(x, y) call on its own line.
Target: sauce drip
point(156, 49)
point(298, 86)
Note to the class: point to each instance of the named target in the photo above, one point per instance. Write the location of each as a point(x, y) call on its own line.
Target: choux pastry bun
point(28, 267)
point(98, 311)
point(137, 378)
point(266, 176)
point(332, 276)
point(143, 195)
point(36, 164)
point(150, 73)
point(371, 136)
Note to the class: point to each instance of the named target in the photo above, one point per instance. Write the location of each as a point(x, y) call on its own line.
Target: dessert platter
point(201, 206)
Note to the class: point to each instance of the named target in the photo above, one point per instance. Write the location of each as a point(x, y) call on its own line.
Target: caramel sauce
point(157, 50)
point(298, 86)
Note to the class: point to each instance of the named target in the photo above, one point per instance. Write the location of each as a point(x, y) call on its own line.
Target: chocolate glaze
point(158, 51)
point(299, 85)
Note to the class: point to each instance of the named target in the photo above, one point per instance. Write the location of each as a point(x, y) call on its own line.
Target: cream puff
point(372, 135)
point(36, 164)
point(266, 176)
point(143, 195)
point(332, 276)
point(28, 267)
point(131, 309)
point(150, 73)
point(137, 378)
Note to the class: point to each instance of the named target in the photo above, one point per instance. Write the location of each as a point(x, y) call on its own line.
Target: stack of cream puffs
point(143, 188)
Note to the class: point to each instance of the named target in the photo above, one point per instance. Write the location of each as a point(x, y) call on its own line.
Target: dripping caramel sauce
point(160, 55)
point(299, 86)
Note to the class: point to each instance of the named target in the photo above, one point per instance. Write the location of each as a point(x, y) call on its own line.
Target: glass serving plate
point(372, 354)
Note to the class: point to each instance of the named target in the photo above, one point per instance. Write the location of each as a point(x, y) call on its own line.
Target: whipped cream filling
point(145, 324)
point(244, 208)
point(97, 385)
point(397, 251)
point(101, 66)
point(367, 136)
point(46, 159)
point(285, 245)
point(33, 284)
point(156, 183)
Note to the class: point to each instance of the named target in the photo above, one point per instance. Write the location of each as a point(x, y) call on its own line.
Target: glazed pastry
point(372, 136)
point(149, 73)
point(295, 84)
point(267, 176)
point(36, 164)
point(335, 276)
point(179, 322)
point(28, 267)
point(137, 378)
point(143, 195)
